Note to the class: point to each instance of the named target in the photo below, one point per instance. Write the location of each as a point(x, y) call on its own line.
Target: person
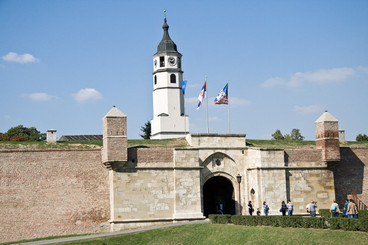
point(250, 208)
point(344, 214)
point(290, 208)
point(258, 212)
point(311, 208)
point(334, 210)
point(265, 208)
point(346, 204)
point(220, 208)
point(352, 210)
point(283, 208)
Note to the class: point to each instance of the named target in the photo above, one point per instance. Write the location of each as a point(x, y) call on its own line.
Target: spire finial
point(165, 13)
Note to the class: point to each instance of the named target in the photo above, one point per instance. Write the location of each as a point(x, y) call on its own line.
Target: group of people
point(350, 209)
point(266, 209)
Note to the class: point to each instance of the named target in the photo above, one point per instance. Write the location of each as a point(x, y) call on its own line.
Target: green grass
point(231, 234)
point(46, 238)
point(165, 143)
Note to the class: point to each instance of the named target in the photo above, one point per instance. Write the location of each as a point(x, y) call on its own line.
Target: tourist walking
point(290, 208)
point(265, 208)
point(352, 209)
point(334, 209)
point(311, 208)
point(250, 208)
point(346, 204)
point(283, 208)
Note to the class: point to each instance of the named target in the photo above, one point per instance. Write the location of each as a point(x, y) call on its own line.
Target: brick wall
point(52, 192)
point(150, 155)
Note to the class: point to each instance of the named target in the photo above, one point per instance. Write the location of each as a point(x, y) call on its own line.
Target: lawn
point(231, 234)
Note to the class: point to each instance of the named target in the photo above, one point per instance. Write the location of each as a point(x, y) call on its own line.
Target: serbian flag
point(201, 95)
point(222, 97)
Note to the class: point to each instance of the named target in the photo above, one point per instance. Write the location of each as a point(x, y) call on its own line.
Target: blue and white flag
point(201, 95)
point(222, 97)
point(183, 85)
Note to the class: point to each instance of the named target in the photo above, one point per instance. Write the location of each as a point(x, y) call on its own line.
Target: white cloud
point(6, 117)
point(363, 69)
point(39, 96)
point(321, 76)
point(20, 58)
point(214, 119)
point(87, 94)
point(310, 109)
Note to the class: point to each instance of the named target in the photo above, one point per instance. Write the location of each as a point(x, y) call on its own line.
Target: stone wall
point(52, 192)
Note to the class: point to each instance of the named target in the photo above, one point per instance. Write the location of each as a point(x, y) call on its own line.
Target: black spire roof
point(166, 44)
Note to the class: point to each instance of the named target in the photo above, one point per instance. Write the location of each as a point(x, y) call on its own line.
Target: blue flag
point(183, 85)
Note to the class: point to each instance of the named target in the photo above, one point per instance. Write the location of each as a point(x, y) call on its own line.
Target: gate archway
point(216, 191)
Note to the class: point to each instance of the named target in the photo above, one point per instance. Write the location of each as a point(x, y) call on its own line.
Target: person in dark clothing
point(250, 208)
point(283, 208)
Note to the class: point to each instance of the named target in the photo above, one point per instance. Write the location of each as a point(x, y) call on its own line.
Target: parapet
point(216, 140)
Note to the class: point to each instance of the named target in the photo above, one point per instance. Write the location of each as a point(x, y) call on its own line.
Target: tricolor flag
point(202, 94)
point(222, 97)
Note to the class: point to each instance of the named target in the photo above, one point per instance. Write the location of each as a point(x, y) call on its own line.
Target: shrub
point(220, 219)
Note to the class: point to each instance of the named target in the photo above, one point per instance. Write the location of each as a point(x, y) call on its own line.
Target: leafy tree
point(296, 135)
point(146, 131)
point(21, 133)
point(362, 137)
point(278, 135)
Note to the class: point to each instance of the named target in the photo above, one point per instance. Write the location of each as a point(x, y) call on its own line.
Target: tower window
point(172, 78)
point(162, 61)
point(179, 63)
point(155, 79)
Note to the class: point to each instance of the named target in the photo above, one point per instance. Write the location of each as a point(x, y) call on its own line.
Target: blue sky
point(64, 64)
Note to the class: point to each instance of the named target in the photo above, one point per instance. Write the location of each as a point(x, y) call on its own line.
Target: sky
point(64, 64)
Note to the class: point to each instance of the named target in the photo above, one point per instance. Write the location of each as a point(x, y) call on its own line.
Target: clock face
point(155, 62)
point(172, 61)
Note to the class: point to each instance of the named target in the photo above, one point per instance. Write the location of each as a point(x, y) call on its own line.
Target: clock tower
point(169, 119)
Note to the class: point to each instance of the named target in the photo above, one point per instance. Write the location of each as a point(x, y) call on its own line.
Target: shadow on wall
point(348, 175)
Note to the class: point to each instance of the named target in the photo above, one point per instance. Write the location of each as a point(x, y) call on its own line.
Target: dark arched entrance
point(215, 191)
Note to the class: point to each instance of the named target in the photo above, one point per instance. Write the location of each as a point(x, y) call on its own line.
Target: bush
point(362, 137)
point(220, 219)
point(293, 221)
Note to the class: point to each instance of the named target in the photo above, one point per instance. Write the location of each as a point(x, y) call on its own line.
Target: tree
point(296, 135)
point(278, 135)
point(146, 131)
point(362, 137)
point(21, 133)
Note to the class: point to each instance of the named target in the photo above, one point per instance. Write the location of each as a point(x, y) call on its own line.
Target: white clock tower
point(169, 119)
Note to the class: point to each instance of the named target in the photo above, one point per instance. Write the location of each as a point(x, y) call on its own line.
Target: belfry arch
point(218, 193)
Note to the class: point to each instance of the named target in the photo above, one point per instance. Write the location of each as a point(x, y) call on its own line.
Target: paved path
point(111, 234)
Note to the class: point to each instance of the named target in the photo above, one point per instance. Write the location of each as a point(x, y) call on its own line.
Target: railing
point(358, 201)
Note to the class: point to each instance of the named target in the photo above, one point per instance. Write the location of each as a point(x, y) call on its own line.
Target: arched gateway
point(218, 196)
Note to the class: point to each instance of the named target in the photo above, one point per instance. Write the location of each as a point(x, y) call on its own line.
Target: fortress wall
point(308, 178)
point(143, 194)
point(52, 192)
point(351, 173)
point(151, 155)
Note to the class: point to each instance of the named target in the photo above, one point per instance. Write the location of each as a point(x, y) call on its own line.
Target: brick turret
point(114, 137)
point(327, 137)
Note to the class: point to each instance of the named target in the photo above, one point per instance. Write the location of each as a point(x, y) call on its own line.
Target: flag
point(201, 95)
point(222, 97)
point(183, 85)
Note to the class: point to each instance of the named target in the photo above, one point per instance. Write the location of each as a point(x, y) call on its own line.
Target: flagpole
point(228, 101)
point(185, 119)
point(208, 130)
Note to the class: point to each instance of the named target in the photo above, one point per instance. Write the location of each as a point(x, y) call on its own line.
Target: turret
point(114, 137)
point(327, 137)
